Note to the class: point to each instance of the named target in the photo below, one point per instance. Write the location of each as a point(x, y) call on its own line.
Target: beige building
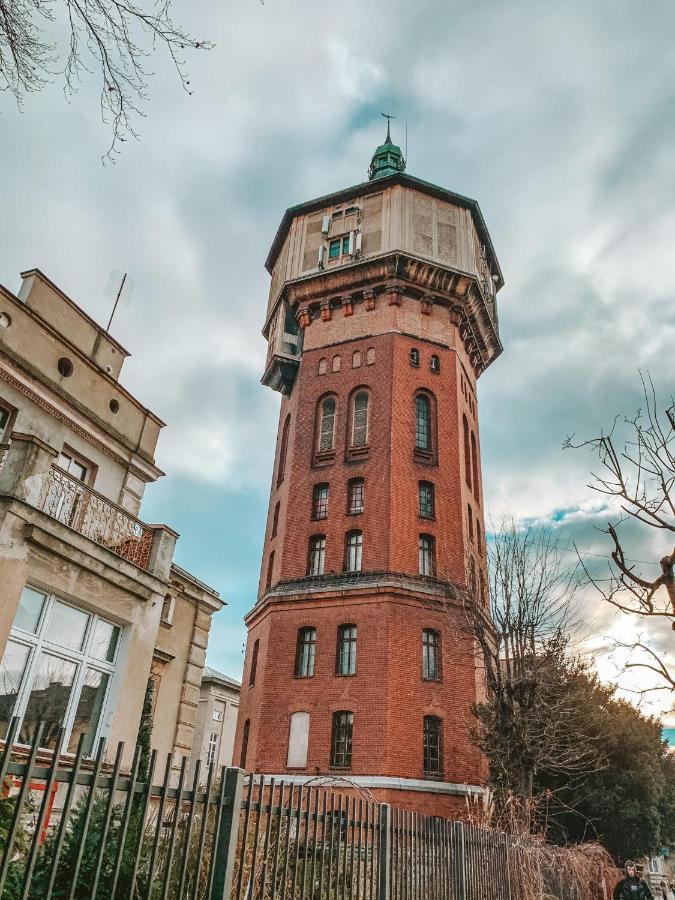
point(91, 603)
point(217, 718)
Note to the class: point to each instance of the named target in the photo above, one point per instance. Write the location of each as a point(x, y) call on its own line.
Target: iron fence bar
point(247, 816)
point(360, 849)
point(256, 833)
point(202, 829)
point(384, 855)
point(315, 844)
point(332, 844)
point(351, 851)
point(226, 834)
point(35, 842)
point(188, 830)
point(159, 826)
point(296, 856)
point(324, 806)
point(310, 792)
point(65, 812)
point(343, 851)
point(266, 845)
point(107, 817)
point(87, 818)
point(275, 862)
point(16, 816)
point(6, 757)
point(143, 810)
point(172, 835)
point(289, 815)
point(124, 822)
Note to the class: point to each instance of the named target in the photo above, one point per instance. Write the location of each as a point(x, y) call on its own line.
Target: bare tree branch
point(115, 36)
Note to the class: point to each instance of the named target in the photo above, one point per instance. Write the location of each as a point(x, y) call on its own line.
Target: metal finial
point(388, 118)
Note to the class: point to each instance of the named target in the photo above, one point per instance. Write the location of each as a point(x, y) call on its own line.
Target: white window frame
point(212, 749)
point(38, 643)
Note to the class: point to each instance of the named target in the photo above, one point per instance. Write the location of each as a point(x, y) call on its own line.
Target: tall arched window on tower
point(424, 429)
point(467, 452)
point(356, 492)
point(326, 426)
point(270, 571)
point(427, 554)
point(320, 501)
point(345, 663)
point(244, 744)
point(353, 551)
point(254, 663)
point(426, 500)
point(433, 752)
point(275, 520)
point(431, 655)
point(305, 653)
point(283, 450)
point(317, 554)
point(341, 740)
point(359, 415)
point(474, 466)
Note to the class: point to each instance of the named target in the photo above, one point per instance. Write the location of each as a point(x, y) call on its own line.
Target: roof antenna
point(121, 287)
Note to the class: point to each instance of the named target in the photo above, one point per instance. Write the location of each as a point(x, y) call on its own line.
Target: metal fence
point(81, 828)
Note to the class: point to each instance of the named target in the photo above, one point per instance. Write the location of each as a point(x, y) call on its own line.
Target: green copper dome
point(387, 160)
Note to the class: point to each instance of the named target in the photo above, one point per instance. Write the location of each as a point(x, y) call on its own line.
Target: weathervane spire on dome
point(387, 159)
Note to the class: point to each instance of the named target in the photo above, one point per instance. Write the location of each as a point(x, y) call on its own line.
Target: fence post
point(462, 863)
point(384, 867)
point(225, 839)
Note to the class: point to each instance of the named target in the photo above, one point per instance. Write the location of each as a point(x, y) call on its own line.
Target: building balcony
point(92, 515)
point(76, 514)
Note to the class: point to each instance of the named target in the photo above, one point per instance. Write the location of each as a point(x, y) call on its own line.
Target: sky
point(557, 117)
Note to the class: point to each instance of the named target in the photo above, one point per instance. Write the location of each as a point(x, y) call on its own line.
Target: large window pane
point(89, 709)
point(104, 641)
point(27, 616)
point(12, 667)
point(48, 700)
point(67, 626)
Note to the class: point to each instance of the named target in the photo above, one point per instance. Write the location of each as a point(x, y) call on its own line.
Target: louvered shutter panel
point(359, 241)
point(321, 256)
point(325, 224)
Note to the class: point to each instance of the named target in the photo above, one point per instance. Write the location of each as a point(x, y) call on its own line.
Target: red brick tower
point(381, 317)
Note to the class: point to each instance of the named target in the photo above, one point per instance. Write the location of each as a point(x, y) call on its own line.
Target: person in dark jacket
point(631, 886)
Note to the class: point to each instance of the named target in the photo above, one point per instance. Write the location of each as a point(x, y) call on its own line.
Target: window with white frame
point(213, 746)
point(57, 668)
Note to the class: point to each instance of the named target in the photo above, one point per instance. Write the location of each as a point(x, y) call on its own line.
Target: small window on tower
point(317, 554)
point(414, 357)
point(345, 663)
point(336, 363)
point(323, 366)
point(345, 246)
point(356, 359)
point(353, 551)
point(370, 356)
point(356, 496)
point(360, 420)
point(334, 249)
point(427, 554)
point(435, 364)
point(305, 653)
point(427, 505)
point(320, 501)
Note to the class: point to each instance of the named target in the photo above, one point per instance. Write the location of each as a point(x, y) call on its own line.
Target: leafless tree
point(115, 36)
point(528, 719)
point(637, 471)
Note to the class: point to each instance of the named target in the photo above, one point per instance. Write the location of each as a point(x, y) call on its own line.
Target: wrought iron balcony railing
point(72, 503)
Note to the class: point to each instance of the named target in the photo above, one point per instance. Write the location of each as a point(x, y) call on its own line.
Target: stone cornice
point(315, 296)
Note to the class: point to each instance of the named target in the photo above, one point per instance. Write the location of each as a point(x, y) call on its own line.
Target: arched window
point(244, 744)
point(345, 662)
point(469, 515)
point(305, 653)
point(336, 363)
point(327, 425)
point(474, 466)
point(353, 551)
point(435, 363)
point(427, 500)
point(270, 571)
point(356, 359)
point(427, 554)
point(283, 450)
point(479, 537)
point(323, 366)
point(320, 501)
point(431, 655)
point(432, 751)
point(422, 423)
point(341, 740)
point(317, 554)
point(356, 490)
point(254, 663)
point(275, 520)
point(467, 452)
point(370, 356)
point(415, 357)
point(360, 419)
